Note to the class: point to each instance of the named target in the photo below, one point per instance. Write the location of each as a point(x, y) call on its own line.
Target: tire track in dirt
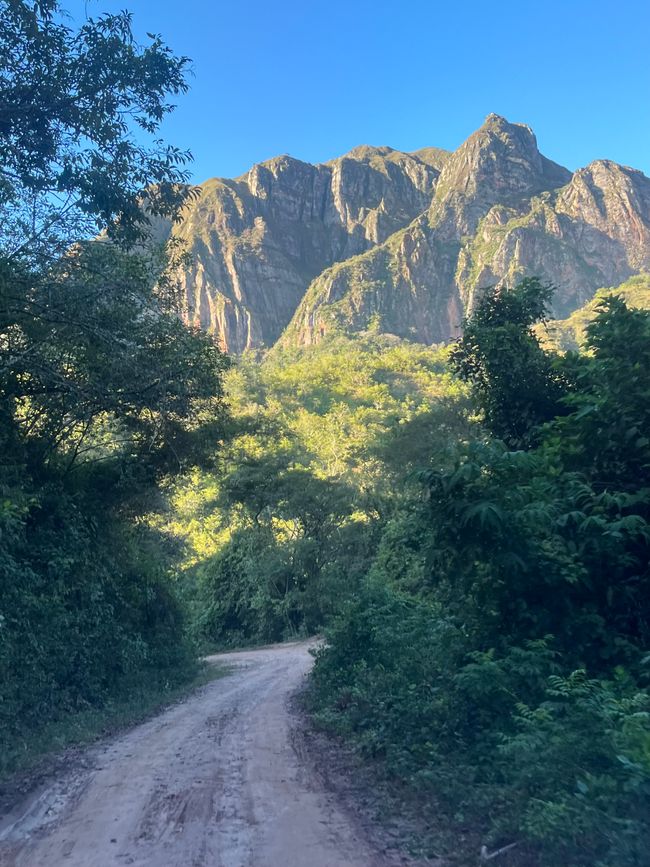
point(212, 782)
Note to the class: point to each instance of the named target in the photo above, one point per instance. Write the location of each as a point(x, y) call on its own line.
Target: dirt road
point(213, 782)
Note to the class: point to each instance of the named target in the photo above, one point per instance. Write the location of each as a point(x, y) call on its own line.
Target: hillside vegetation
point(470, 526)
point(467, 524)
point(318, 454)
point(495, 659)
point(102, 389)
point(571, 333)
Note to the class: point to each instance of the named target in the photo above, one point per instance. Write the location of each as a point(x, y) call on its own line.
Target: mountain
point(569, 334)
point(401, 242)
point(259, 240)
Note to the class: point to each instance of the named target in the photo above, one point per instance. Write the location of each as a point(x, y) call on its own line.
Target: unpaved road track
point(213, 782)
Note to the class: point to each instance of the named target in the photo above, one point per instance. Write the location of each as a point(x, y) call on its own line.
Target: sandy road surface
point(212, 782)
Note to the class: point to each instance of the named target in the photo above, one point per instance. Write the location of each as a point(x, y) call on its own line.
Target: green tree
point(515, 382)
point(70, 102)
point(101, 385)
point(79, 318)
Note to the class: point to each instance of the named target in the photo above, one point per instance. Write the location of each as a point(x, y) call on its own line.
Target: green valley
point(360, 447)
point(475, 551)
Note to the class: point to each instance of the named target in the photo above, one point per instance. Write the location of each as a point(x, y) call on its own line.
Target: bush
point(86, 614)
point(497, 654)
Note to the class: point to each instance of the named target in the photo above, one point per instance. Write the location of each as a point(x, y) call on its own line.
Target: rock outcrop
point(258, 241)
point(402, 242)
point(500, 211)
point(592, 232)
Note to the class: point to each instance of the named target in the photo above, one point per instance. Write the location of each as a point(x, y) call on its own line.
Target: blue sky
point(314, 79)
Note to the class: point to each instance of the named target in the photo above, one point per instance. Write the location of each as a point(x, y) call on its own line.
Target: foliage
point(68, 363)
point(497, 654)
point(486, 587)
point(70, 101)
point(569, 334)
point(101, 387)
point(86, 615)
point(587, 801)
point(515, 382)
point(281, 531)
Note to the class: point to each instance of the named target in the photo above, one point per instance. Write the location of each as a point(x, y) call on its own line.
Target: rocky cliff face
point(500, 211)
point(258, 241)
point(498, 164)
point(402, 242)
point(592, 232)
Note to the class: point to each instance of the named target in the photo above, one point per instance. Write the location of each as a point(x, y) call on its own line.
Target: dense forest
point(495, 656)
point(102, 389)
point(467, 524)
point(318, 453)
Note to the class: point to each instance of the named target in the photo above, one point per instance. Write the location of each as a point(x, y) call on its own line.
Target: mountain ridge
point(289, 251)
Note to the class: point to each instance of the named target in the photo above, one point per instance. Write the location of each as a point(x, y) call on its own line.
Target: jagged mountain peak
point(610, 165)
point(281, 163)
point(606, 173)
point(386, 159)
point(497, 138)
point(614, 201)
point(257, 241)
point(365, 153)
point(501, 210)
point(500, 163)
point(500, 124)
point(404, 240)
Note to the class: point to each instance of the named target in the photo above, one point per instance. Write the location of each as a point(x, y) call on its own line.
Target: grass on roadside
point(34, 752)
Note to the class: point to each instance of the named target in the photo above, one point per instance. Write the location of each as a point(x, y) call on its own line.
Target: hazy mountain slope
point(570, 333)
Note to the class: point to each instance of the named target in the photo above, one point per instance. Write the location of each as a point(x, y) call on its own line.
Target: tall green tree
point(101, 385)
point(87, 331)
point(515, 382)
point(71, 101)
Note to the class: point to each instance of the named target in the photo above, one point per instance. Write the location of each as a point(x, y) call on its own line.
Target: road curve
point(212, 782)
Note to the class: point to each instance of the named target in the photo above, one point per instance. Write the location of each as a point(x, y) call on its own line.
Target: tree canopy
point(71, 101)
point(102, 387)
point(495, 656)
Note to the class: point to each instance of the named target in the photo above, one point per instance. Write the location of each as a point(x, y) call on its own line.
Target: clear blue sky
point(314, 79)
